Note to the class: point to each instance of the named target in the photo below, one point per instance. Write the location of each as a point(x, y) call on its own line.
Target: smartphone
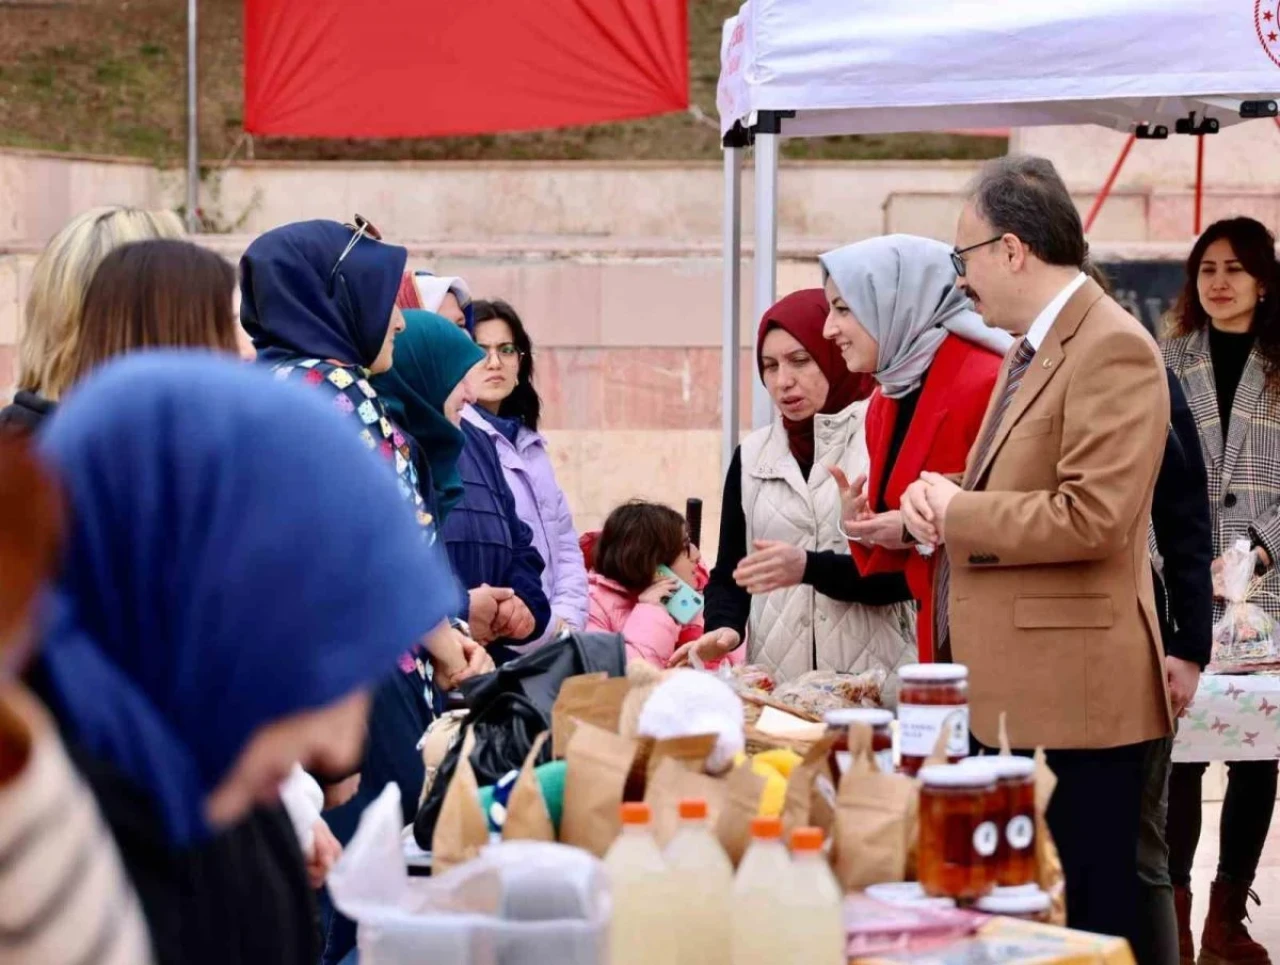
point(686, 602)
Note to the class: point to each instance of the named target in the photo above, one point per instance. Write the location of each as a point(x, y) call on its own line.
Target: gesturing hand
point(709, 647)
point(854, 506)
point(773, 566)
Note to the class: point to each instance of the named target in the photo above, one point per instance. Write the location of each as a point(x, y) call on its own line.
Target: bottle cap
point(635, 813)
point(693, 809)
point(806, 839)
point(766, 828)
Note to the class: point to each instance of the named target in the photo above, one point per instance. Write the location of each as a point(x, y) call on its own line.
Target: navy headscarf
point(236, 555)
point(289, 308)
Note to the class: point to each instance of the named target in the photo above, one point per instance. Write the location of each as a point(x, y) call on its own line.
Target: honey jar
point(1016, 857)
point(957, 838)
point(994, 816)
point(934, 697)
point(881, 723)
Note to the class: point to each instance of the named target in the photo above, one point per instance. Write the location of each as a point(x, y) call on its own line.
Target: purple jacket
point(540, 503)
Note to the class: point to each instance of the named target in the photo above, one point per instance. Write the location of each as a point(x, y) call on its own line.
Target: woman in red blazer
point(897, 315)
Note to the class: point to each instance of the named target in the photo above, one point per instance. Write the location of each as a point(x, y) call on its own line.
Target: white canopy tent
point(804, 68)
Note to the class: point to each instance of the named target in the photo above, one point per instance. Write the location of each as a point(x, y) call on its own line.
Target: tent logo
point(1266, 20)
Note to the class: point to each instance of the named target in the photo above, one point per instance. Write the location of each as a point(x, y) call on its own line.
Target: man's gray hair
point(1025, 196)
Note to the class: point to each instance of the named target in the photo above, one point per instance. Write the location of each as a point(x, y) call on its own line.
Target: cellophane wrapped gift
point(1246, 633)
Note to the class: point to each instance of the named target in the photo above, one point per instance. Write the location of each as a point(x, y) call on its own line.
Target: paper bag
point(597, 763)
point(527, 816)
point(669, 784)
point(811, 796)
point(461, 829)
point(1049, 872)
point(590, 698)
point(741, 802)
point(876, 818)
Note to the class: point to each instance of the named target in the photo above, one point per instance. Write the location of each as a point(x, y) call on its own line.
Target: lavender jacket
point(540, 503)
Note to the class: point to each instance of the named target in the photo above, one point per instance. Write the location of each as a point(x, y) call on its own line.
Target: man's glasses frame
point(957, 254)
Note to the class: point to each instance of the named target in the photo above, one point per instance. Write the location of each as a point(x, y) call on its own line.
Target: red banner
point(423, 68)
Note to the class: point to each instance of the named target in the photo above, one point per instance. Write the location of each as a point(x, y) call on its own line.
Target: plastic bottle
point(814, 904)
point(703, 888)
point(760, 934)
point(641, 887)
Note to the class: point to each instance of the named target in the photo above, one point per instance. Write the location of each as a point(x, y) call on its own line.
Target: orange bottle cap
point(806, 839)
point(693, 809)
point(635, 813)
point(766, 827)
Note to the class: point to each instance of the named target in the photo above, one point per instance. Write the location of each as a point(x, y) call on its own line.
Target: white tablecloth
point(1233, 718)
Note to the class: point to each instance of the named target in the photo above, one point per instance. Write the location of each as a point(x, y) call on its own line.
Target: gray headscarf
point(902, 290)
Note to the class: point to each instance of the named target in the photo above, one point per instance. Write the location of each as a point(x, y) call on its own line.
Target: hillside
point(108, 77)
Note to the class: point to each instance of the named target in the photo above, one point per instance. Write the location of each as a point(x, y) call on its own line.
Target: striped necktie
point(1022, 357)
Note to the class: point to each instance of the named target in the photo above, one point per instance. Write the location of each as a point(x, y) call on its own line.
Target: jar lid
point(934, 672)
point(871, 716)
point(984, 765)
point(1024, 903)
point(1013, 767)
point(907, 893)
point(956, 775)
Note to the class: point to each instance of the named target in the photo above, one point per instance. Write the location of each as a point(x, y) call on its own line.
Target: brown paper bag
point(597, 764)
point(527, 816)
point(811, 796)
point(590, 698)
point(876, 819)
point(1049, 872)
point(462, 829)
point(740, 804)
point(672, 782)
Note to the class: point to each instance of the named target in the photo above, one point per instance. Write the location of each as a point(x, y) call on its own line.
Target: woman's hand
point(854, 505)
point(446, 647)
point(709, 647)
point(773, 566)
point(879, 529)
point(325, 853)
point(659, 592)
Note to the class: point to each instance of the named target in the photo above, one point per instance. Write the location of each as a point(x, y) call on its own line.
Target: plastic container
point(933, 696)
point(702, 887)
point(907, 894)
point(814, 904)
point(1023, 904)
point(881, 723)
point(642, 887)
point(957, 840)
point(1016, 857)
point(760, 933)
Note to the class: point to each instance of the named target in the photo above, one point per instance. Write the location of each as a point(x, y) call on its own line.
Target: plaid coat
point(1244, 469)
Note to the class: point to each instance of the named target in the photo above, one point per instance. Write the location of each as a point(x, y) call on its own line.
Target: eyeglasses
point(363, 226)
point(506, 351)
point(957, 254)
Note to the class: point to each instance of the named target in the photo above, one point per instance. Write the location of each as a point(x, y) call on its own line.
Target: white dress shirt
point(1044, 321)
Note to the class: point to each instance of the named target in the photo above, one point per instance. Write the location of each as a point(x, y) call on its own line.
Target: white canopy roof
point(863, 66)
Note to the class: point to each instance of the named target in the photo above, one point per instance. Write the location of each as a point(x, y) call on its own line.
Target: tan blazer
point(1051, 603)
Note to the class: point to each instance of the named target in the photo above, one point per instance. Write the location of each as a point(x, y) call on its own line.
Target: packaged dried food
point(819, 691)
point(1246, 633)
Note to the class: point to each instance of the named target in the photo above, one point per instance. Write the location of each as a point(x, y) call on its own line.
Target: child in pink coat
point(625, 592)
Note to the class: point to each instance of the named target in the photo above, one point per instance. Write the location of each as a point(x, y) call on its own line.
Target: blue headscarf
point(236, 555)
point(290, 309)
point(432, 356)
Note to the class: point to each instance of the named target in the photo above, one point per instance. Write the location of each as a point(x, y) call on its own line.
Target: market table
point(1234, 717)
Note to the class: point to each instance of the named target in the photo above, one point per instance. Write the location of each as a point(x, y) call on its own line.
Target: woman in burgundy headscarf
point(783, 577)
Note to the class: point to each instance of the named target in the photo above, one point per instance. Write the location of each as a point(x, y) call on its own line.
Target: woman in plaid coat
point(1225, 350)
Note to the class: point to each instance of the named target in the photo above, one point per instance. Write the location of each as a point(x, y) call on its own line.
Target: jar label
point(1020, 833)
point(919, 727)
point(986, 836)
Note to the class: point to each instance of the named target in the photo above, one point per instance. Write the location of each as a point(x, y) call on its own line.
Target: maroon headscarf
point(802, 315)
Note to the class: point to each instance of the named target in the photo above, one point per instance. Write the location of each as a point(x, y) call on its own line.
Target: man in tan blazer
point(1044, 581)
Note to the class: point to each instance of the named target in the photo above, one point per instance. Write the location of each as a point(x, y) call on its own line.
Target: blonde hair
point(46, 351)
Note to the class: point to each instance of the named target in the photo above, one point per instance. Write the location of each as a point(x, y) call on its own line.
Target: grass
point(108, 77)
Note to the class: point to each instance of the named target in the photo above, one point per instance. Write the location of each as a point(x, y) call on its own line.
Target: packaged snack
point(820, 691)
point(1245, 634)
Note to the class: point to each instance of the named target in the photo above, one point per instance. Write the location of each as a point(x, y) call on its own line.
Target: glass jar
point(1016, 859)
point(881, 723)
point(987, 839)
point(956, 839)
point(1023, 904)
point(933, 697)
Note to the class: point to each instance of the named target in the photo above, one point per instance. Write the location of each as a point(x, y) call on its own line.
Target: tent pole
point(193, 127)
point(730, 336)
point(1108, 184)
point(766, 254)
point(1199, 181)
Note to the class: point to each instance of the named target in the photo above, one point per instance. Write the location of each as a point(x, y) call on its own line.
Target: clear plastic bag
point(819, 691)
point(1246, 633)
point(518, 903)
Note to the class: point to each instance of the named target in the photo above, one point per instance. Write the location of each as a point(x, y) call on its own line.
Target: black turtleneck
point(1230, 353)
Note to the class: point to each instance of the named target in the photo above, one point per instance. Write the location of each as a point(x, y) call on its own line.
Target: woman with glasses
point(436, 369)
point(508, 410)
point(897, 316)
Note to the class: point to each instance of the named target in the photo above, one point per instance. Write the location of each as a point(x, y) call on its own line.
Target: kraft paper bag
point(1049, 874)
point(742, 791)
point(672, 782)
point(590, 698)
point(811, 795)
point(876, 819)
point(597, 763)
point(462, 829)
point(527, 816)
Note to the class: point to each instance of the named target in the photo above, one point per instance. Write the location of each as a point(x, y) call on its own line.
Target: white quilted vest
point(797, 629)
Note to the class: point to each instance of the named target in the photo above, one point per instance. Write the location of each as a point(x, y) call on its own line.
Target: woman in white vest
point(783, 578)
